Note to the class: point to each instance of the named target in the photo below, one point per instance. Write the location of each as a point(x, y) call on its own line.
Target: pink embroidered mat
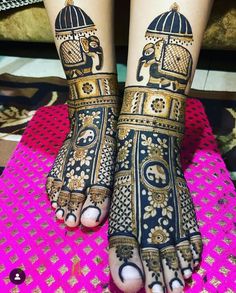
point(58, 259)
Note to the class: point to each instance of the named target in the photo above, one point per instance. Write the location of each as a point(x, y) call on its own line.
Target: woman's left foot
point(153, 233)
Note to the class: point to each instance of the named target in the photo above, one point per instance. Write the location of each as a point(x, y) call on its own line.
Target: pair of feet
point(136, 175)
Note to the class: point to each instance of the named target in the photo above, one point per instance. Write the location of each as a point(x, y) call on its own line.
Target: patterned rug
point(20, 97)
point(9, 4)
point(56, 258)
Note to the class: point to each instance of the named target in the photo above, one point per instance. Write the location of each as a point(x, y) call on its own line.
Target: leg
point(79, 184)
point(153, 232)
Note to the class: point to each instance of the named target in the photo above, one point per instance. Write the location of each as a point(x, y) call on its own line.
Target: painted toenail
point(130, 273)
point(70, 219)
point(54, 205)
point(59, 214)
point(157, 289)
point(187, 273)
point(90, 214)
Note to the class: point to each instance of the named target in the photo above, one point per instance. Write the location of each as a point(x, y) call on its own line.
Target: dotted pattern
point(59, 259)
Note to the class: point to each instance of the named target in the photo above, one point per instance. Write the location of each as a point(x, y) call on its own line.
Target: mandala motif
point(87, 88)
point(158, 235)
point(124, 252)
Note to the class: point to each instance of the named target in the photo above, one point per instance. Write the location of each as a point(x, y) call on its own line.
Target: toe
point(125, 264)
point(62, 203)
point(196, 247)
point(185, 256)
point(95, 208)
point(154, 280)
point(53, 188)
point(74, 207)
point(173, 278)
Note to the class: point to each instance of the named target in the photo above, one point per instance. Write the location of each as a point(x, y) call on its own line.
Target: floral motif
point(158, 105)
point(81, 156)
point(123, 154)
point(124, 252)
point(87, 88)
point(76, 182)
point(158, 235)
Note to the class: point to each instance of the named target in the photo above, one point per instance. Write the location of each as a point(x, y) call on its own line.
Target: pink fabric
point(58, 259)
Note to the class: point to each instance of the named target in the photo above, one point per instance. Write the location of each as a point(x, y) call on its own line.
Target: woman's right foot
point(153, 233)
point(80, 182)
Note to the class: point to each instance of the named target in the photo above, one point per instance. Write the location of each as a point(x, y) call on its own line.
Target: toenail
point(177, 287)
point(70, 218)
point(130, 273)
point(187, 273)
point(90, 214)
point(157, 289)
point(59, 214)
point(54, 204)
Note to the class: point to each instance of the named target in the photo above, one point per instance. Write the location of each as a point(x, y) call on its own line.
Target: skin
point(142, 13)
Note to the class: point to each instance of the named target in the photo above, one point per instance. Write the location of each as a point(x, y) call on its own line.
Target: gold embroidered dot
point(20, 240)
point(227, 240)
point(213, 231)
point(33, 259)
point(66, 249)
point(209, 260)
point(46, 249)
point(54, 259)
point(27, 249)
point(87, 249)
point(83, 291)
point(232, 259)
point(224, 271)
point(107, 270)
point(204, 291)
point(201, 271)
point(73, 281)
point(8, 249)
point(95, 281)
point(6, 280)
point(15, 290)
point(2, 268)
point(229, 291)
point(218, 249)
point(215, 282)
point(41, 269)
point(50, 280)
point(99, 240)
point(85, 270)
point(79, 240)
point(28, 280)
point(60, 290)
point(36, 290)
point(63, 269)
point(14, 258)
point(59, 240)
point(97, 260)
point(2, 241)
point(39, 240)
point(75, 259)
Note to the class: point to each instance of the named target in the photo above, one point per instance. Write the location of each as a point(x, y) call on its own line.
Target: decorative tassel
point(69, 2)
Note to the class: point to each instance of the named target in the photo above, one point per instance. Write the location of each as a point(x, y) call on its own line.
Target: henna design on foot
point(80, 182)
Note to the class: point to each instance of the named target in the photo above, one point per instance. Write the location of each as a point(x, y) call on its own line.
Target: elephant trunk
point(140, 65)
point(100, 58)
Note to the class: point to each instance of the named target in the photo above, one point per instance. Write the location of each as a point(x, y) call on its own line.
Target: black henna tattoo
point(151, 201)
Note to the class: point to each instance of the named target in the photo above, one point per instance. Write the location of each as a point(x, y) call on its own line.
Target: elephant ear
point(84, 44)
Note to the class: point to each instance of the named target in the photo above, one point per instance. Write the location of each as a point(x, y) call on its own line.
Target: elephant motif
point(78, 56)
point(156, 173)
point(170, 65)
point(86, 137)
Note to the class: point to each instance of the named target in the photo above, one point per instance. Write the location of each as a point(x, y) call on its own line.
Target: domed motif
point(170, 24)
point(72, 19)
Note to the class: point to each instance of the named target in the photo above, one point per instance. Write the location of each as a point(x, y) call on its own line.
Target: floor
point(204, 79)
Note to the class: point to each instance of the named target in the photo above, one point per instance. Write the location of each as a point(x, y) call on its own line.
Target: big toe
point(95, 208)
point(125, 264)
